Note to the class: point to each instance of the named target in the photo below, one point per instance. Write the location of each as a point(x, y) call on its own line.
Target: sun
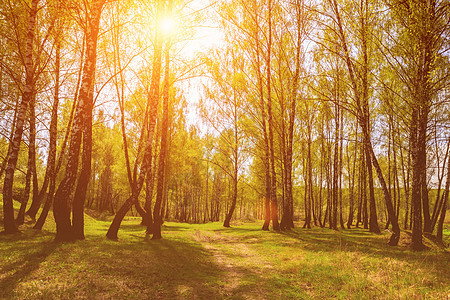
point(167, 25)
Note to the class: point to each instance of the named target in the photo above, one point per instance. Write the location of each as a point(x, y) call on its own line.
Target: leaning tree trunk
point(38, 195)
point(153, 97)
point(393, 241)
point(439, 197)
point(121, 98)
point(373, 219)
point(5, 160)
point(229, 215)
point(14, 145)
point(144, 170)
point(362, 114)
point(440, 226)
point(142, 211)
point(51, 161)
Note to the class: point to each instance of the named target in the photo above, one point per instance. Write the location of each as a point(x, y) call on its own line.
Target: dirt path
point(237, 260)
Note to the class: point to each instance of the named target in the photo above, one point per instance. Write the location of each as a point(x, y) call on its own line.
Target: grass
point(208, 261)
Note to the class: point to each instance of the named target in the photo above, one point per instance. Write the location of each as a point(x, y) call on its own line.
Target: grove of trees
point(325, 113)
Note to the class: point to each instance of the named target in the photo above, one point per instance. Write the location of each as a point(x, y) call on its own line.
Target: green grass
point(208, 261)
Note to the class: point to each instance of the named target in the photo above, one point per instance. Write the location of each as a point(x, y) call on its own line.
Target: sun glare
point(167, 25)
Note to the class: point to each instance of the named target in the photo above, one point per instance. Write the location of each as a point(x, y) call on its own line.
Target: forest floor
point(208, 261)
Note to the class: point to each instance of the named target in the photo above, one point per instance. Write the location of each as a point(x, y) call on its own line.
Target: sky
point(207, 36)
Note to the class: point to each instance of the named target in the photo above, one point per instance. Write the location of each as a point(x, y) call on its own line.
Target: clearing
point(208, 261)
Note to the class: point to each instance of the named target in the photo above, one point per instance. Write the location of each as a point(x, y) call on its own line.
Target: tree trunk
point(263, 124)
point(152, 101)
point(310, 177)
point(229, 215)
point(83, 114)
point(287, 222)
point(363, 114)
point(307, 223)
point(235, 163)
point(14, 145)
point(416, 186)
point(273, 179)
point(31, 172)
point(50, 171)
point(440, 226)
point(373, 219)
point(341, 148)
point(163, 149)
point(365, 213)
point(351, 184)
point(423, 158)
point(439, 198)
point(405, 175)
point(393, 241)
point(5, 160)
point(206, 193)
point(363, 104)
point(26, 193)
point(83, 179)
point(121, 98)
point(36, 203)
point(147, 218)
point(335, 200)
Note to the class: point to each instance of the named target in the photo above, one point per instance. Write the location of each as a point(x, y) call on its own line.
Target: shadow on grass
point(360, 241)
point(179, 267)
point(138, 228)
point(239, 229)
point(321, 239)
point(134, 227)
point(326, 259)
point(28, 251)
point(148, 268)
point(172, 268)
point(175, 228)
